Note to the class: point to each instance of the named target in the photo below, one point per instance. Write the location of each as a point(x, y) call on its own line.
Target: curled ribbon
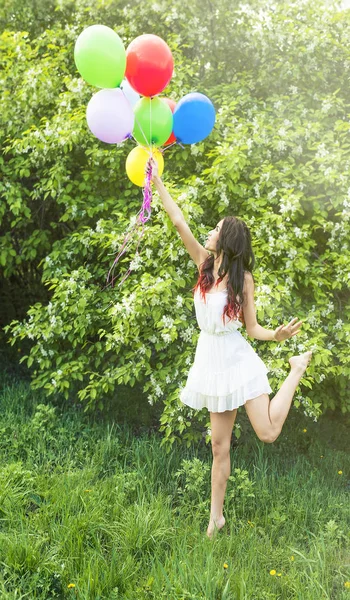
point(141, 219)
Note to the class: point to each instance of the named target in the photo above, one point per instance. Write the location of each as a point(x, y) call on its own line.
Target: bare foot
point(300, 362)
point(215, 526)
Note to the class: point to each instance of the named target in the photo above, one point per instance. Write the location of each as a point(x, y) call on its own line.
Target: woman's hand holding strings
point(154, 165)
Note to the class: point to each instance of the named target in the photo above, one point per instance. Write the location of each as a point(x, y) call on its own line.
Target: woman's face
point(213, 237)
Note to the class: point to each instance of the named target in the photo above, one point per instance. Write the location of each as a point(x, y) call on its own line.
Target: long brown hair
point(238, 256)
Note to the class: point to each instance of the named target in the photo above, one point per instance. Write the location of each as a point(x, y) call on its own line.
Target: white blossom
point(166, 337)
point(186, 334)
point(136, 263)
point(179, 301)
point(264, 289)
point(272, 194)
point(292, 252)
point(281, 145)
point(289, 205)
point(321, 152)
point(167, 321)
point(99, 227)
point(158, 390)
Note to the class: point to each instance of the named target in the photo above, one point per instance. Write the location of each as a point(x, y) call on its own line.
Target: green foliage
point(193, 489)
point(278, 158)
point(94, 506)
point(242, 486)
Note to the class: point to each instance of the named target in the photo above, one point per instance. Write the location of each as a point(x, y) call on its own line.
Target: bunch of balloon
point(129, 106)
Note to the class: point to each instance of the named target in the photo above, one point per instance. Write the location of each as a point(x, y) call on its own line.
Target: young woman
point(227, 372)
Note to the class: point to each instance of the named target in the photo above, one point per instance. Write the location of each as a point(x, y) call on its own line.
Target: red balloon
point(149, 64)
point(172, 105)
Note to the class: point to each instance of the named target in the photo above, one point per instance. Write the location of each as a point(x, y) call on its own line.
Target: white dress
point(226, 371)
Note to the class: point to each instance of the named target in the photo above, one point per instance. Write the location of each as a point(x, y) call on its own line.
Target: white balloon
point(129, 92)
point(109, 116)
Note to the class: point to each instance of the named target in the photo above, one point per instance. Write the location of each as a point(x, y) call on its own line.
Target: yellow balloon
point(136, 164)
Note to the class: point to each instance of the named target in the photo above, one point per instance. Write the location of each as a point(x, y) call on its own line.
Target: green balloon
point(100, 56)
point(153, 121)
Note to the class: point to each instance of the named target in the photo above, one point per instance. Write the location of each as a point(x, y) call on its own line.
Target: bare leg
point(267, 416)
point(221, 432)
point(280, 404)
point(220, 473)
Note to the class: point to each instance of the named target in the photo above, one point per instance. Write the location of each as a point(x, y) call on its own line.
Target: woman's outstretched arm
point(253, 329)
point(174, 211)
point(196, 251)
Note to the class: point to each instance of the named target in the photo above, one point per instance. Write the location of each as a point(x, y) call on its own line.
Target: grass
point(90, 510)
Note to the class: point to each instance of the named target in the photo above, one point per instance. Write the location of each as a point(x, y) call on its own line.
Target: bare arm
point(196, 251)
point(174, 211)
point(260, 333)
point(253, 329)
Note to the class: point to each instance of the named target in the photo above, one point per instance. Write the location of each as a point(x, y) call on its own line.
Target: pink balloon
point(109, 116)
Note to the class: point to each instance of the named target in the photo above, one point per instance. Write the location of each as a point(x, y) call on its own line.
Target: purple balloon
point(109, 116)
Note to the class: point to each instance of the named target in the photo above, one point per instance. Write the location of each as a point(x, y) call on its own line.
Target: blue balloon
point(194, 118)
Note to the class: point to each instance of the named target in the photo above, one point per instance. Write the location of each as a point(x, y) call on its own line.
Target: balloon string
point(146, 206)
point(167, 148)
point(121, 252)
point(150, 120)
point(142, 218)
point(137, 121)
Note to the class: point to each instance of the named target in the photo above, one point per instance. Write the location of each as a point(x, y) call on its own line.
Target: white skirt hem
point(252, 389)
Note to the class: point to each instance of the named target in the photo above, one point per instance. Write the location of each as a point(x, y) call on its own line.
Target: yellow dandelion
point(225, 565)
point(347, 584)
point(340, 472)
point(71, 585)
point(279, 574)
point(272, 572)
point(321, 455)
point(251, 524)
point(304, 430)
point(292, 557)
point(87, 490)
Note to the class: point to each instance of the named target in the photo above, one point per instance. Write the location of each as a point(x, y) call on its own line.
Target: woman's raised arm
point(174, 211)
point(196, 251)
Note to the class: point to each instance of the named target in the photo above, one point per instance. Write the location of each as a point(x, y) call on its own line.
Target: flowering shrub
point(278, 158)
